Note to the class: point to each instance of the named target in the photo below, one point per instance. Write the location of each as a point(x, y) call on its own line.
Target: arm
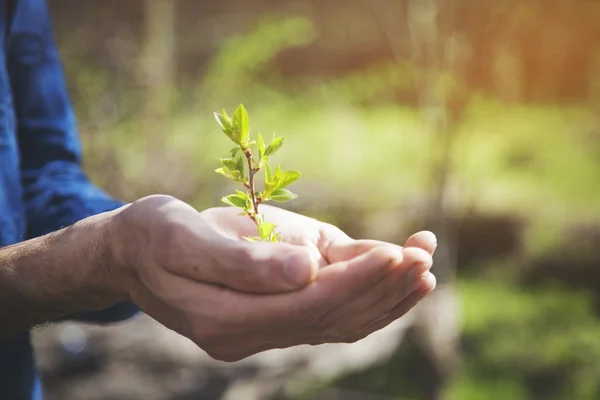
point(55, 275)
point(56, 192)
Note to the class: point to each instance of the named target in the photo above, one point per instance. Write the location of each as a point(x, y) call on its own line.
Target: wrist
point(60, 274)
point(114, 260)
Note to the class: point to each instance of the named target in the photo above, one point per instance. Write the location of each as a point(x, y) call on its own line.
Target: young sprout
point(242, 167)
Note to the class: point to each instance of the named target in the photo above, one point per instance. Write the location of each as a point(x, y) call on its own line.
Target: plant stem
point(251, 173)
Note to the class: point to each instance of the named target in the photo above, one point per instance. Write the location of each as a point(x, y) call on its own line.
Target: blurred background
point(479, 121)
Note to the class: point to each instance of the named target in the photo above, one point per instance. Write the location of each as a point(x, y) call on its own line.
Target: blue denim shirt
point(42, 186)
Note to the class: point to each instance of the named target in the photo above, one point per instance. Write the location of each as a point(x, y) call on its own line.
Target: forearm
point(58, 274)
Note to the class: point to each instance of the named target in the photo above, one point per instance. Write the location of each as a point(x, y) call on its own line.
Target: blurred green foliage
point(539, 343)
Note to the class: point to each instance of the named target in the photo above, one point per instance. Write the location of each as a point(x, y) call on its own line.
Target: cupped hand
point(194, 272)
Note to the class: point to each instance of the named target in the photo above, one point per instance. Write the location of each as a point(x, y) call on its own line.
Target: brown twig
point(251, 172)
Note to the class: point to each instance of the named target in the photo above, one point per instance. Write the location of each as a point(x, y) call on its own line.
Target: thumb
point(263, 267)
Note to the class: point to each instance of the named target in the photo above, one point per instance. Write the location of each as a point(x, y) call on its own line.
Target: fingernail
point(428, 279)
point(297, 269)
point(431, 240)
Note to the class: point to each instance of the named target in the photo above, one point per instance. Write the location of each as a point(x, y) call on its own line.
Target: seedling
point(242, 167)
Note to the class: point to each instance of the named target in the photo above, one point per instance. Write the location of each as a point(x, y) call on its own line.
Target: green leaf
point(242, 195)
point(235, 200)
point(272, 182)
point(268, 177)
point(262, 160)
point(246, 197)
point(234, 151)
point(261, 146)
point(279, 180)
point(265, 229)
point(268, 172)
point(229, 163)
point(226, 172)
point(286, 178)
point(275, 145)
point(225, 123)
point(239, 165)
point(223, 120)
point(282, 195)
point(227, 201)
point(233, 169)
point(241, 125)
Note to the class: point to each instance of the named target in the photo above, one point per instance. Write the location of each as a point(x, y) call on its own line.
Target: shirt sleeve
point(56, 191)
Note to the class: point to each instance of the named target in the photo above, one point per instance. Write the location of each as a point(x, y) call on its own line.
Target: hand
point(194, 273)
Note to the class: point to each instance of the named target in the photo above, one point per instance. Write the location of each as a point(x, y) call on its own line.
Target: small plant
point(242, 167)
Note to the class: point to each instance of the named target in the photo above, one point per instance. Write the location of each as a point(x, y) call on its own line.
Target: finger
point(263, 322)
point(343, 248)
point(404, 278)
point(288, 338)
point(237, 264)
point(335, 284)
point(261, 267)
point(424, 240)
point(427, 286)
point(349, 277)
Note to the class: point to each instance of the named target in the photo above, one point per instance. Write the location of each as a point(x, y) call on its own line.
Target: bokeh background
point(478, 120)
